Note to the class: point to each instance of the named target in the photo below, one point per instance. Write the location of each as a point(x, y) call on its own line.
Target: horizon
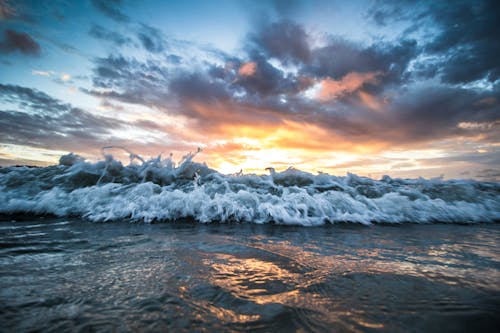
point(367, 87)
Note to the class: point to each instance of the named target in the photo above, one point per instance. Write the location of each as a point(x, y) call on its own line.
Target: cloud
point(436, 112)
point(174, 59)
point(468, 40)
point(247, 69)
point(152, 39)
point(463, 40)
point(283, 40)
point(255, 96)
point(192, 86)
point(65, 77)
point(41, 73)
point(31, 100)
point(265, 81)
point(340, 57)
point(130, 81)
point(335, 57)
point(415, 115)
point(331, 89)
point(44, 121)
point(111, 8)
point(114, 37)
point(19, 41)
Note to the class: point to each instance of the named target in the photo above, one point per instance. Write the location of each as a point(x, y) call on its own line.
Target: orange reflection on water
point(265, 282)
point(251, 278)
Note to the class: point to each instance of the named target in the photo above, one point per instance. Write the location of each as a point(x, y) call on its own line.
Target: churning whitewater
point(160, 190)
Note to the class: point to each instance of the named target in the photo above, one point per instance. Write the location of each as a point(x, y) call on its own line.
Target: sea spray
point(162, 190)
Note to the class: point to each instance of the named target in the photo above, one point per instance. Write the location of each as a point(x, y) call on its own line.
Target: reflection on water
point(70, 275)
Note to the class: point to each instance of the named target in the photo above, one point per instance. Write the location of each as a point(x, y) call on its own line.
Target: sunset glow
point(285, 89)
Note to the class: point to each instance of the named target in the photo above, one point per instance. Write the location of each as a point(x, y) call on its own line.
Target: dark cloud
point(152, 39)
point(19, 41)
point(437, 112)
point(468, 40)
point(393, 109)
point(193, 86)
point(47, 122)
point(415, 116)
point(267, 80)
point(290, 43)
point(284, 40)
point(111, 8)
point(102, 33)
point(340, 57)
point(464, 38)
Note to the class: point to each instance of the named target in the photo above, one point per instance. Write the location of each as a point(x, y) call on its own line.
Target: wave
point(161, 190)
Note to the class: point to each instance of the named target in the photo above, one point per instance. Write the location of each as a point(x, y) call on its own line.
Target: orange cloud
point(247, 69)
point(370, 101)
point(331, 89)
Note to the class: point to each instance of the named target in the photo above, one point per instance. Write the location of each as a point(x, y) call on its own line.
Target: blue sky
point(371, 87)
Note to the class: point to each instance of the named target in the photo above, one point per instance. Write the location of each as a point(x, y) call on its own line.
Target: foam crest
point(162, 190)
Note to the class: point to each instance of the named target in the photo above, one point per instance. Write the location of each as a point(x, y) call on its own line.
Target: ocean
point(71, 275)
point(155, 247)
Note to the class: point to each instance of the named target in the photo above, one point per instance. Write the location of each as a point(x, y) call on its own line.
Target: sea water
point(160, 190)
point(162, 246)
point(69, 275)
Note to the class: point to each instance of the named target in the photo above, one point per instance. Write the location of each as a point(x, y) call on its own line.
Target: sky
point(401, 88)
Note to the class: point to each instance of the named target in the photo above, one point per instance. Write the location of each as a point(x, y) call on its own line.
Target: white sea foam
point(160, 190)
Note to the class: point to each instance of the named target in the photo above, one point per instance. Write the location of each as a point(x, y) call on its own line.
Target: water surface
point(61, 275)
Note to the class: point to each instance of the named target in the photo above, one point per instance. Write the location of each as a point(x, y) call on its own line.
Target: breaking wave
point(161, 190)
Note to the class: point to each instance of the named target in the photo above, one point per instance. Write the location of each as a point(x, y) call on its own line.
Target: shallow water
point(61, 275)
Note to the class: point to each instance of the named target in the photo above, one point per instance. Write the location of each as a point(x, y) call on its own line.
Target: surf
point(160, 189)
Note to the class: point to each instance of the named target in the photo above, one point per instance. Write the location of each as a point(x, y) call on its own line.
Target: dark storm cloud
point(193, 86)
point(340, 57)
point(151, 39)
point(464, 40)
point(290, 43)
point(284, 40)
point(267, 79)
point(469, 39)
point(437, 112)
point(102, 33)
point(47, 122)
point(18, 41)
point(111, 8)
